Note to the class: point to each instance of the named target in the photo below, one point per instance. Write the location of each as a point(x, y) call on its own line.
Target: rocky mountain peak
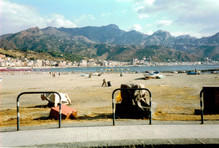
point(50, 28)
point(33, 30)
point(161, 33)
point(29, 32)
point(51, 31)
point(112, 26)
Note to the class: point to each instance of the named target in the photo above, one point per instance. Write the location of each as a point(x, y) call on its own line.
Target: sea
point(139, 69)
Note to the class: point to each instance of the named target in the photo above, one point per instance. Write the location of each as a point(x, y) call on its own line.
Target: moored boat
point(193, 72)
point(153, 75)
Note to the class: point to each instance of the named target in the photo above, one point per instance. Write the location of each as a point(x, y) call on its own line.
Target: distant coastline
point(129, 68)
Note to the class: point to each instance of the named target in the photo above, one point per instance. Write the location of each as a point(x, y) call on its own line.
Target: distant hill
point(111, 43)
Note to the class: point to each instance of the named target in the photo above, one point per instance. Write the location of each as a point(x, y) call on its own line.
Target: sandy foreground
point(177, 95)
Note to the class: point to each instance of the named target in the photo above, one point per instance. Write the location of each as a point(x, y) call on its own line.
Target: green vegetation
point(210, 51)
point(66, 56)
point(7, 53)
point(42, 55)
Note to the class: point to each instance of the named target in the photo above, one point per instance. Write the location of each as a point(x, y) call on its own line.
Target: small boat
point(0, 79)
point(151, 75)
point(214, 72)
point(193, 72)
point(84, 75)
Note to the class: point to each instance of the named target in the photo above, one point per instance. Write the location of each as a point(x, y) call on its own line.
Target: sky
point(199, 18)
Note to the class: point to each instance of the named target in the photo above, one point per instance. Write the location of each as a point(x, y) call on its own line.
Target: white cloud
point(148, 25)
point(162, 23)
point(16, 17)
point(139, 2)
point(136, 27)
point(140, 5)
point(201, 15)
point(142, 16)
point(57, 20)
point(146, 2)
point(199, 35)
point(149, 32)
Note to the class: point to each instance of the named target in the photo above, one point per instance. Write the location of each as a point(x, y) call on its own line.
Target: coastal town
point(16, 62)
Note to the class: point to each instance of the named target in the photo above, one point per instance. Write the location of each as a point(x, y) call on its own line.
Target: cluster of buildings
point(145, 62)
point(16, 62)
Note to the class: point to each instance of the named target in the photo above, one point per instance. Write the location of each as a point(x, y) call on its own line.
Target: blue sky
point(179, 17)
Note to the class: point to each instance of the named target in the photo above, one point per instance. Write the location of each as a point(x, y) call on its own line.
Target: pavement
point(107, 135)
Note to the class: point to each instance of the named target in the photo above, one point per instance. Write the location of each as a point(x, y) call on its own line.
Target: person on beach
point(54, 74)
point(90, 75)
point(104, 82)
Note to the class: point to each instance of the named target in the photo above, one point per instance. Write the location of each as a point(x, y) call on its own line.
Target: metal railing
point(114, 102)
point(23, 93)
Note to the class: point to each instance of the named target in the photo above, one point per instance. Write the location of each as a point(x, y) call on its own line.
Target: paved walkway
point(119, 135)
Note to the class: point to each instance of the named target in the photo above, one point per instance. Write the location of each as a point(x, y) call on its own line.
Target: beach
point(176, 95)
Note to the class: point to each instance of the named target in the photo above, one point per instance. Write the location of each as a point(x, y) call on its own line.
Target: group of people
point(54, 74)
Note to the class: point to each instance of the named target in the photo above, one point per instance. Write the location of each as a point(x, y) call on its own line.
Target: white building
point(83, 63)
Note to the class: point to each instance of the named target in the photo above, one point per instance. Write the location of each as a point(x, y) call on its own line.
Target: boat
point(84, 75)
point(149, 75)
point(0, 79)
point(193, 72)
point(153, 75)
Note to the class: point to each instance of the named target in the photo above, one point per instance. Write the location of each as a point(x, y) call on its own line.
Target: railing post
point(201, 106)
point(60, 111)
point(150, 119)
point(113, 106)
point(18, 114)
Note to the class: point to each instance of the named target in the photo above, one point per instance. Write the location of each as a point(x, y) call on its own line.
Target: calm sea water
point(132, 69)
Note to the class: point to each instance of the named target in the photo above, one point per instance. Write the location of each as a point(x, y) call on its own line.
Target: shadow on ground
point(140, 78)
point(94, 116)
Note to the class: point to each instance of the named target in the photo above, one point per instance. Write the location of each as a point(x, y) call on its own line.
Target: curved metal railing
point(114, 102)
point(40, 92)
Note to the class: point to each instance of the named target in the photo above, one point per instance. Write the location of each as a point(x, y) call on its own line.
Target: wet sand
point(177, 95)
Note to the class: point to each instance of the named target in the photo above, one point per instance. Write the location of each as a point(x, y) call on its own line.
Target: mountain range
point(111, 43)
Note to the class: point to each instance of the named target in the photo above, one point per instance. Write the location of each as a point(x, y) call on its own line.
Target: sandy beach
point(177, 95)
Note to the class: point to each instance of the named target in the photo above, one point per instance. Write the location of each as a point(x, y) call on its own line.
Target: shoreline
point(113, 69)
point(23, 67)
